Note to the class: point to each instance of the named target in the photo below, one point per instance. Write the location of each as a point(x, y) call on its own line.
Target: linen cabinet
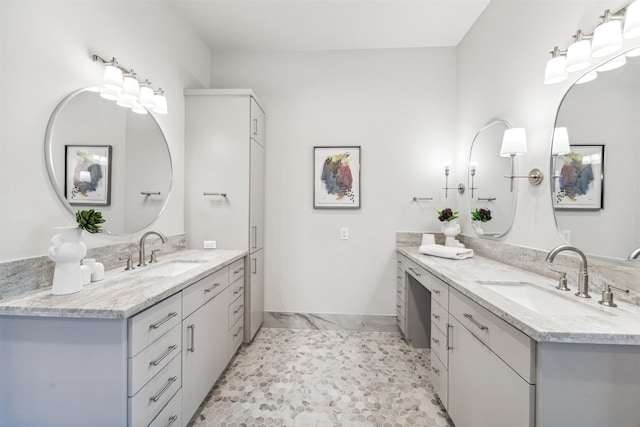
point(224, 183)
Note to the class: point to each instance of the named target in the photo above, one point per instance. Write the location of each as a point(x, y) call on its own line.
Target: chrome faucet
point(583, 276)
point(141, 262)
point(634, 254)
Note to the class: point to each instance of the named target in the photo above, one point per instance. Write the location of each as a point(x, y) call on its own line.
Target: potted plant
point(447, 215)
point(90, 221)
point(450, 228)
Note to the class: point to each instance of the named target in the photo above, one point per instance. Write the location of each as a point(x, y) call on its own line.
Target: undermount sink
point(538, 299)
point(170, 268)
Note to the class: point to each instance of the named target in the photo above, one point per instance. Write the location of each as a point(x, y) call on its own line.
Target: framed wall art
point(336, 177)
point(88, 174)
point(579, 178)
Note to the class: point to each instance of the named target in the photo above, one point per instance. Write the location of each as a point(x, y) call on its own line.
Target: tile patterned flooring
point(297, 377)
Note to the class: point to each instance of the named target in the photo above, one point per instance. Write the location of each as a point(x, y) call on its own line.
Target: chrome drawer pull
point(436, 370)
point(193, 338)
point(416, 273)
point(449, 328)
point(163, 355)
point(435, 340)
point(237, 291)
point(255, 126)
point(435, 316)
point(215, 285)
point(238, 309)
point(475, 322)
point(161, 392)
point(436, 291)
point(172, 420)
point(238, 270)
point(399, 277)
point(166, 319)
point(238, 333)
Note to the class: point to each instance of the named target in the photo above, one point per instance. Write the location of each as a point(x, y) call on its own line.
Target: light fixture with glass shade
point(160, 102)
point(446, 188)
point(514, 144)
point(579, 53)
point(555, 71)
point(560, 144)
point(607, 37)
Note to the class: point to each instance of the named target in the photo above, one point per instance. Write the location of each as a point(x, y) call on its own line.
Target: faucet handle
point(129, 260)
point(154, 258)
point(607, 295)
point(562, 280)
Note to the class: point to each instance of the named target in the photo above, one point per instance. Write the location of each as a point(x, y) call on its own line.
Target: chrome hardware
point(143, 239)
point(399, 277)
point(417, 199)
point(163, 355)
point(238, 332)
point(215, 285)
point(435, 340)
point(487, 199)
point(415, 272)
point(238, 270)
point(237, 291)
point(150, 193)
point(214, 194)
point(436, 291)
point(449, 328)
point(193, 338)
point(583, 276)
point(154, 258)
point(398, 305)
point(172, 420)
point(562, 281)
point(436, 370)
point(129, 260)
point(159, 394)
point(255, 266)
point(255, 236)
point(166, 319)
point(634, 254)
point(607, 296)
point(236, 311)
point(475, 322)
point(255, 126)
point(435, 316)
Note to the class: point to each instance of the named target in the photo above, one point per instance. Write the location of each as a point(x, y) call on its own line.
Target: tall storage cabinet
point(224, 183)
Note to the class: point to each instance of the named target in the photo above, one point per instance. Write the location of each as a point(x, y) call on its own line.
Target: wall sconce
point(514, 144)
point(121, 85)
point(473, 165)
point(446, 188)
point(605, 40)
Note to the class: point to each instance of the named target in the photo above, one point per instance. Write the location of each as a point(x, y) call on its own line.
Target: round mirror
point(595, 178)
point(492, 201)
point(105, 157)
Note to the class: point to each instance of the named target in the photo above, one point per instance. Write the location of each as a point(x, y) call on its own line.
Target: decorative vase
point(450, 228)
point(66, 251)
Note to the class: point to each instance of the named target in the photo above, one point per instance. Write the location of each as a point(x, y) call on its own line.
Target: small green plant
point(482, 215)
point(90, 221)
point(447, 214)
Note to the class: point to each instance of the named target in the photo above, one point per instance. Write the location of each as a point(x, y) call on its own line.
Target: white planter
point(66, 251)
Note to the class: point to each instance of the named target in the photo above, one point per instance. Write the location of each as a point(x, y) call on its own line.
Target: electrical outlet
point(566, 235)
point(344, 233)
point(209, 244)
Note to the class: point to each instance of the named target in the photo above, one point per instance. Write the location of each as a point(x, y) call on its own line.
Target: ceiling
point(313, 25)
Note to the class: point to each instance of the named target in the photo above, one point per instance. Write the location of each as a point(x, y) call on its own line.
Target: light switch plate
point(209, 244)
point(566, 235)
point(344, 233)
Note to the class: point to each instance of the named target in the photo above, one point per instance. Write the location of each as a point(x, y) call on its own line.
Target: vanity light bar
point(121, 84)
point(605, 40)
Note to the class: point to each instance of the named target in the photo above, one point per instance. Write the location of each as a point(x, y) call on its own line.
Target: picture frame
point(87, 172)
point(336, 177)
point(579, 178)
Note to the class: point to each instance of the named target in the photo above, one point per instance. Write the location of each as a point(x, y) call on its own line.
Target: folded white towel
point(446, 251)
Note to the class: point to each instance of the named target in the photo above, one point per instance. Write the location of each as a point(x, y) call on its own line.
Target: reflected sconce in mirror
point(121, 85)
point(473, 165)
point(559, 147)
point(446, 188)
point(605, 40)
point(514, 144)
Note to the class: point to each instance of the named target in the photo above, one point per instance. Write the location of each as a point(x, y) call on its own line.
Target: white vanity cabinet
point(224, 182)
point(401, 295)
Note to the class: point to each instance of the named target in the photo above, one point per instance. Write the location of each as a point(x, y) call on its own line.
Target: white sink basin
point(170, 268)
point(540, 300)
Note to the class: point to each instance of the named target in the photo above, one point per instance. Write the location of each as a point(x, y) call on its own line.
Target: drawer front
point(148, 402)
point(146, 364)
point(236, 310)
point(511, 345)
point(439, 291)
point(440, 380)
point(235, 290)
point(171, 415)
point(439, 316)
point(236, 270)
point(418, 273)
point(236, 335)
point(401, 289)
point(439, 346)
point(203, 290)
point(149, 325)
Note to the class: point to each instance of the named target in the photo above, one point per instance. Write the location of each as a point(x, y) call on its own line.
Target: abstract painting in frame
point(88, 174)
point(579, 178)
point(336, 177)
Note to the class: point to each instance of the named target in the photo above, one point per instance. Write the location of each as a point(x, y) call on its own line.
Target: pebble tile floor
point(296, 377)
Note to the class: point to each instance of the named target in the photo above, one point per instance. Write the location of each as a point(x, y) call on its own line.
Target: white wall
point(44, 55)
point(501, 65)
point(399, 105)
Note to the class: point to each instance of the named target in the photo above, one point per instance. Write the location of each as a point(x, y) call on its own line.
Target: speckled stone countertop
point(121, 294)
point(599, 324)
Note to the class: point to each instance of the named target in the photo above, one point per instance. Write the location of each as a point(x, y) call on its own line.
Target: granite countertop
point(598, 325)
point(121, 294)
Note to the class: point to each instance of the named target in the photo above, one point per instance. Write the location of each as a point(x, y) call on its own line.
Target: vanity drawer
point(511, 345)
point(236, 289)
point(439, 346)
point(146, 364)
point(236, 335)
point(236, 310)
point(439, 291)
point(203, 290)
point(149, 325)
point(440, 380)
point(171, 415)
point(439, 316)
point(149, 401)
point(418, 273)
point(236, 270)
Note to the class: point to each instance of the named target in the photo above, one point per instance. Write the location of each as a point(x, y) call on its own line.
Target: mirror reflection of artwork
point(579, 176)
point(337, 177)
point(87, 172)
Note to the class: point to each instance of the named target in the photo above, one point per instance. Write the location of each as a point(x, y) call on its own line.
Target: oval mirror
point(106, 157)
point(595, 178)
point(489, 191)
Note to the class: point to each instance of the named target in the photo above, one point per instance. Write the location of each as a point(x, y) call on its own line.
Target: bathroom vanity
point(497, 358)
point(141, 348)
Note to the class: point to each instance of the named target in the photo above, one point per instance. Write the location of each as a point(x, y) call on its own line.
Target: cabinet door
point(256, 204)
point(483, 390)
point(204, 357)
point(254, 294)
